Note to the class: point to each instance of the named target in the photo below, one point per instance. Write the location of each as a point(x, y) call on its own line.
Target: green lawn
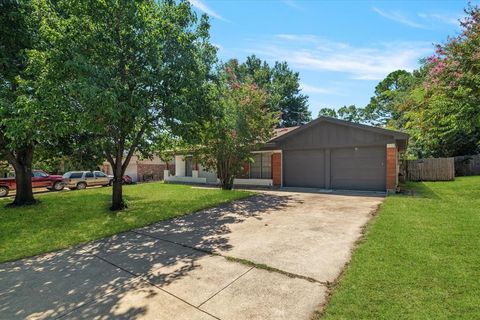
point(419, 260)
point(67, 218)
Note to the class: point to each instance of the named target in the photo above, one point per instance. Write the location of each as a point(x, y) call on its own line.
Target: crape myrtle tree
point(130, 70)
point(282, 85)
point(447, 115)
point(26, 121)
point(240, 123)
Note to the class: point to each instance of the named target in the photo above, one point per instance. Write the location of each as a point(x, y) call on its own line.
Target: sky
point(341, 49)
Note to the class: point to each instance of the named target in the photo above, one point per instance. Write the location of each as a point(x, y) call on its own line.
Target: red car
point(40, 179)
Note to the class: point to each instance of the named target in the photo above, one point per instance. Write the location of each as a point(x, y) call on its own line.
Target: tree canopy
point(27, 121)
point(129, 70)
point(282, 85)
point(241, 122)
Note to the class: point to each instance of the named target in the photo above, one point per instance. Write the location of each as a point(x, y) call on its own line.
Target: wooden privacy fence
point(434, 169)
point(467, 165)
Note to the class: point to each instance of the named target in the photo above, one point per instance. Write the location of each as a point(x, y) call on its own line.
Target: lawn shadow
point(419, 189)
point(120, 276)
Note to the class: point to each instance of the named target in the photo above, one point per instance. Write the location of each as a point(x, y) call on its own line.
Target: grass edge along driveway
point(64, 219)
point(420, 258)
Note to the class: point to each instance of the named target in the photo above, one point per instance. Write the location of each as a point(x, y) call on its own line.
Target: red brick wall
point(245, 174)
point(391, 168)
point(150, 172)
point(277, 169)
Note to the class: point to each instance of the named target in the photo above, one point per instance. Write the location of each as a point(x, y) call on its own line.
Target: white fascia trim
point(267, 151)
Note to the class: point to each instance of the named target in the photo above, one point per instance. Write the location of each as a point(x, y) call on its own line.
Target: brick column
point(245, 174)
point(391, 167)
point(277, 169)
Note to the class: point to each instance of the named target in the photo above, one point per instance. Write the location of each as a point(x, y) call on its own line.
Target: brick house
point(143, 170)
point(325, 153)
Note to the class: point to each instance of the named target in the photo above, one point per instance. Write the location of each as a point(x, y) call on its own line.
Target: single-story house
point(325, 153)
point(142, 170)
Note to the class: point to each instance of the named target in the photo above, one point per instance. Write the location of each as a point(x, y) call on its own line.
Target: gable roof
point(396, 134)
point(281, 131)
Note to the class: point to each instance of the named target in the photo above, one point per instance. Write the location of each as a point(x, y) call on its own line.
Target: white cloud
point(218, 46)
point(314, 89)
point(448, 18)
point(292, 4)
point(399, 17)
point(428, 20)
point(200, 5)
point(297, 37)
point(363, 63)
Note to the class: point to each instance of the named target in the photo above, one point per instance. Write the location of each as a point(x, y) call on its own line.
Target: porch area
point(265, 171)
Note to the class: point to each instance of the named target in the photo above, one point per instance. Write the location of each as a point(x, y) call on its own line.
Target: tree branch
point(134, 145)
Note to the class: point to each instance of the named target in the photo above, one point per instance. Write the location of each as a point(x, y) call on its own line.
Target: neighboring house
point(325, 153)
point(144, 170)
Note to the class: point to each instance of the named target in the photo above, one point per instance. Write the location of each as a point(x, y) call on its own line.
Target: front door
point(188, 166)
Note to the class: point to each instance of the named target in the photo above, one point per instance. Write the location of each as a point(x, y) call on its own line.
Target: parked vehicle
point(126, 179)
point(77, 180)
point(40, 179)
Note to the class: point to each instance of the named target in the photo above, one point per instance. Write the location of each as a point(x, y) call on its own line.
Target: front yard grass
point(64, 219)
point(420, 258)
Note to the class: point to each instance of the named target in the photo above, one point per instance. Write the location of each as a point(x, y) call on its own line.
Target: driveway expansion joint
point(143, 278)
point(216, 293)
point(242, 261)
point(93, 300)
point(177, 243)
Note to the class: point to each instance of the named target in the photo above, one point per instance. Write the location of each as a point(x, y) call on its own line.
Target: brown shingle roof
point(281, 131)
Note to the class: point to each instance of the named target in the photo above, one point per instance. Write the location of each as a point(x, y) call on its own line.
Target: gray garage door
point(358, 168)
point(304, 168)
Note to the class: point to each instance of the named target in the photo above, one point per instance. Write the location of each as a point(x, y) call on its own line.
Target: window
point(8, 175)
point(39, 174)
point(261, 168)
point(89, 174)
point(76, 175)
point(100, 174)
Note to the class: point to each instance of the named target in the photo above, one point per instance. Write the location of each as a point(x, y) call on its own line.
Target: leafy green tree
point(328, 112)
point(351, 113)
point(282, 85)
point(129, 70)
point(446, 120)
point(391, 94)
point(25, 121)
point(241, 123)
point(348, 113)
point(74, 151)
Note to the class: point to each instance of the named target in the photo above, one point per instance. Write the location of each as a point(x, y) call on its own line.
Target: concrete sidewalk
point(181, 269)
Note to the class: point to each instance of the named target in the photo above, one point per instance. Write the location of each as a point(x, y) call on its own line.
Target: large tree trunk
point(117, 192)
point(227, 183)
point(23, 177)
point(119, 168)
point(225, 176)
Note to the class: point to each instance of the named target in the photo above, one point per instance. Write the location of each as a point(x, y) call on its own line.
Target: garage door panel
point(353, 173)
point(304, 168)
point(358, 168)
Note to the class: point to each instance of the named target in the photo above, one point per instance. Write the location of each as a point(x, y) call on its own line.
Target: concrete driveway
point(271, 256)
